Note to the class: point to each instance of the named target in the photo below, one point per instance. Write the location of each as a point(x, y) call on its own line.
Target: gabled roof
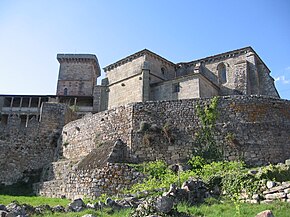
point(217, 57)
point(225, 55)
point(135, 56)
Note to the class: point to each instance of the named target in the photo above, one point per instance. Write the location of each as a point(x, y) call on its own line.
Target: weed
point(65, 144)
point(207, 147)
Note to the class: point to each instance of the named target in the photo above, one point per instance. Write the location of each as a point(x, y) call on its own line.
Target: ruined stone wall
point(255, 129)
point(25, 149)
point(81, 136)
point(110, 179)
point(259, 126)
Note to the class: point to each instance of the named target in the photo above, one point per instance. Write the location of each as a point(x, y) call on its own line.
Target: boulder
point(3, 213)
point(129, 202)
point(275, 196)
point(58, 208)
point(101, 204)
point(164, 204)
point(41, 209)
point(113, 204)
point(3, 207)
point(15, 209)
point(77, 205)
point(266, 213)
point(172, 191)
point(29, 210)
point(92, 206)
point(287, 162)
point(270, 184)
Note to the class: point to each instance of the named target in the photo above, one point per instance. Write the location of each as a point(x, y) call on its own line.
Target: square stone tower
point(77, 74)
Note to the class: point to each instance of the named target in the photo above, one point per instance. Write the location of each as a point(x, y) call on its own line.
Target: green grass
point(227, 209)
point(104, 213)
point(33, 200)
point(279, 209)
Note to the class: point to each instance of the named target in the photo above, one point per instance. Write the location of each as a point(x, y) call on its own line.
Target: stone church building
point(145, 76)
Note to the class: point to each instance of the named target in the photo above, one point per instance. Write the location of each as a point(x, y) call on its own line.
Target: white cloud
point(282, 79)
point(287, 68)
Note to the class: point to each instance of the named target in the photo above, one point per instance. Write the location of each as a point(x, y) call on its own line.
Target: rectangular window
point(176, 88)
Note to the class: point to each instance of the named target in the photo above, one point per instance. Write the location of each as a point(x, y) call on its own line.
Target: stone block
point(274, 196)
point(266, 201)
point(287, 162)
point(270, 184)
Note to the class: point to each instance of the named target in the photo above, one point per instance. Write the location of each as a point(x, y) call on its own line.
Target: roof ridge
point(134, 56)
point(216, 55)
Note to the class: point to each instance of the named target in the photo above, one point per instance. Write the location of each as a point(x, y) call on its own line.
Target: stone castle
point(77, 138)
point(146, 76)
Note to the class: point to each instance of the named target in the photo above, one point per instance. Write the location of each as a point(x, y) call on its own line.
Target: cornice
point(80, 58)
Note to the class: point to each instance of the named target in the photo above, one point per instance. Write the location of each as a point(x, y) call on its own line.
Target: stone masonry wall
point(82, 135)
point(78, 77)
point(24, 149)
point(258, 127)
point(253, 128)
point(124, 84)
point(91, 183)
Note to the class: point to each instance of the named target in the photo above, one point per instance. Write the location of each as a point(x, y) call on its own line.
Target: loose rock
point(77, 205)
point(266, 213)
point(164, 204)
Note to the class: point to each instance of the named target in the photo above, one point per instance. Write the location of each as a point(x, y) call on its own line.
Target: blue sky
point(32, 32)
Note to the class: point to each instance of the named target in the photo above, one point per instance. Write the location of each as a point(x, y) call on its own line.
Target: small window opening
point(176, 88)
point(65, 91)
point(163, 70)
point(222, 73)
point(4, 119)
point(23, 119)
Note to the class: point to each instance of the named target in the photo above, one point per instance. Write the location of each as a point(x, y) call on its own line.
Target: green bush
point(196, 163)
point(231, 177)
point(279, 173)
point(205, 136)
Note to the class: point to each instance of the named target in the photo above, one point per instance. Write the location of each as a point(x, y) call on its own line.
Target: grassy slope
point(280, 209)
point(33, 200)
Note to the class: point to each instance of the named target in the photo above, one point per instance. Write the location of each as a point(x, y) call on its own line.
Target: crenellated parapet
point(80, 58)
point(78, 74)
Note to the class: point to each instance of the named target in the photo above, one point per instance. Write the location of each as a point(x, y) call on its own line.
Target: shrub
point(204, 137)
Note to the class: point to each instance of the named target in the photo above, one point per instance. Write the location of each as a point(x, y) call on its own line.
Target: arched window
point(222, 73)
point(163, 70)
point(65, 91)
